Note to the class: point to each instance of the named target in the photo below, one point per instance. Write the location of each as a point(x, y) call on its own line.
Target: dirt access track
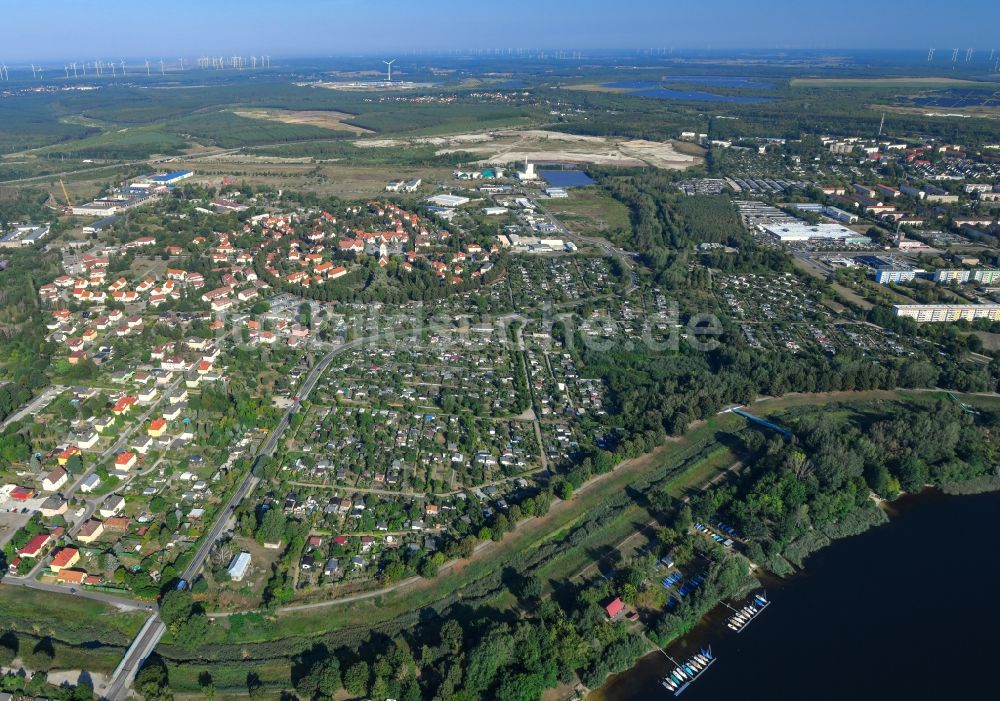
point(513, 145)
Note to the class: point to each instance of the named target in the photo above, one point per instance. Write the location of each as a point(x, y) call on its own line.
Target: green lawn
point(590, 211)
point(85, 634)
point(710, 461)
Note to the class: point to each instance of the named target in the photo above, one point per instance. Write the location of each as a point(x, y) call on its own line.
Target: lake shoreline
point(636, 682)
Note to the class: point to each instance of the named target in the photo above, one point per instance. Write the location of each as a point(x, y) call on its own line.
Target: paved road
point(35, 405)
point(150, 635)
point(120, 602)
point(123, 439)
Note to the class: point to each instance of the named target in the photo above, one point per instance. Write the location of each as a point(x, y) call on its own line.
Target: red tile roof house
point(67, 576)
point(35, 546)
point(614, 609)
point(67, 557)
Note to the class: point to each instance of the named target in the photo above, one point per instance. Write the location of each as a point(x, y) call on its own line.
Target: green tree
point(272, 526)
point(176, 607)
point(152, 681)
point(356, 678)
point(327, 676)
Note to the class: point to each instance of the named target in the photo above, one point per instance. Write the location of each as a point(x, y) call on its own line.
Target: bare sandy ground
point(314, 118)
point(512, 145)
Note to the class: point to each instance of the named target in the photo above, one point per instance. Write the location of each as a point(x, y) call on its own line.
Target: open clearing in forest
point(323, 119)
point(538, 145)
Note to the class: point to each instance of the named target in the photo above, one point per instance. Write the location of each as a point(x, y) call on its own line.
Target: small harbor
point(743, 617)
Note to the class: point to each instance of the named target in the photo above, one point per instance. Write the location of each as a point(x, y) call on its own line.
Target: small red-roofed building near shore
point(614, 609)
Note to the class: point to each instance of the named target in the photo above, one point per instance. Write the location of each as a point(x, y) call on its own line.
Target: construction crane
point(69, 202)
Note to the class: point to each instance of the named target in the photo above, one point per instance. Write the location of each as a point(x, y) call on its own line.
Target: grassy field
point(708, 459)
point(769, 406)
point(852, 296)
point(85, 634)
point(590, 211)
point(122, 143)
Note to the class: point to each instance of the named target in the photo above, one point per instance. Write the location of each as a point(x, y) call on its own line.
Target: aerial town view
point(546, 352)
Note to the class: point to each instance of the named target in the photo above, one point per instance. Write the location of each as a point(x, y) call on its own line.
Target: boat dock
point(686, 673)
point(743, 617)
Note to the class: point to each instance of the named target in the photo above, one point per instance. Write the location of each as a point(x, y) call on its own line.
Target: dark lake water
point(722, 81)
point(904, 611)
point(566, 178)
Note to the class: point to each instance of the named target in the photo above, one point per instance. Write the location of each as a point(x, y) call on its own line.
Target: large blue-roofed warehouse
point(172, 178)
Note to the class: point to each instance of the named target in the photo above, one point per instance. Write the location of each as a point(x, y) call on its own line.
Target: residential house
point(55, 480)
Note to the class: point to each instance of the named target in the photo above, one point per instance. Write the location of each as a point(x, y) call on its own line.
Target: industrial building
point(932, 313)
point(23, 236)
point(100, 224)
point(789, 232)
point(239, 566)
point(171, 178)
point(840, 215)
point(106, 206)
point(448, 200)
point(832, 212)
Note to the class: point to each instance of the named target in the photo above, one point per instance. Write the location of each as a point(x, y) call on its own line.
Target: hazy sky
point(78, 29)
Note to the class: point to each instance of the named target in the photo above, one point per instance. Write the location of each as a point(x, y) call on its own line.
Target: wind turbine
point(74, 68)
point(389, 64)
point(147, 67)
point(66, 68)
point(968, 55)
point(123, 68)
point(162, 70)
point(954, 55)
point(182, 64)
point(930, 54)
point(34, 72)
point(253, 62)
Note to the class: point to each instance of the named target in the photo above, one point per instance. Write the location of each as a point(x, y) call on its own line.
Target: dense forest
point(797, 495)
point(667, 226)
